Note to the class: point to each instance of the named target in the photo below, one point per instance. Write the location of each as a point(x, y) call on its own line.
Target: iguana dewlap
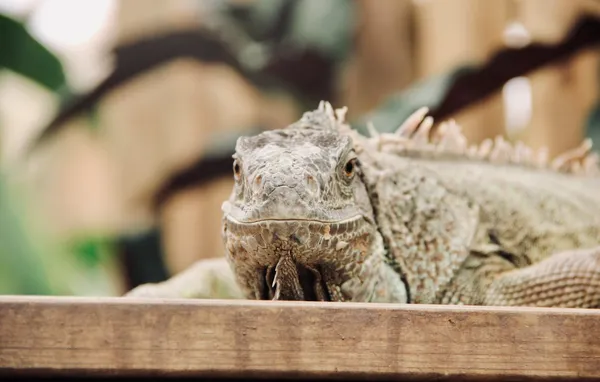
point(320, 212)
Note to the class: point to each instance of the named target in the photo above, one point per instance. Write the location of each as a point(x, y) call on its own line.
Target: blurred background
point(118, 118)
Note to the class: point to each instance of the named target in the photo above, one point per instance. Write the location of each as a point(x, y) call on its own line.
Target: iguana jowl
point(320, 212)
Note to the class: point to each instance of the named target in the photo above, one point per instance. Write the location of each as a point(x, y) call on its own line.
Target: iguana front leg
point(209, 278)
point(569, 279)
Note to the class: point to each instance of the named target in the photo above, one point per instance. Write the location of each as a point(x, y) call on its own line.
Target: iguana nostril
point(311, 184)
point(257, 185)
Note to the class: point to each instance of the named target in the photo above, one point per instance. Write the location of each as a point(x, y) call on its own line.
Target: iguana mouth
point(293, 281)
point(287, 212)
point(296, 259)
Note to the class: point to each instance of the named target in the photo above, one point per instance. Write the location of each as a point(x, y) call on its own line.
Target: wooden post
point(383, 60)
point(562, 94)
point(458, 32)
point(162, 121)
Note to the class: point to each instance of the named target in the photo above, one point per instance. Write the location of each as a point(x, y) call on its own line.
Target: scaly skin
point(319, 212)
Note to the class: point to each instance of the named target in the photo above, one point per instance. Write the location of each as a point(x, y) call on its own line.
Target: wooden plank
point(216, 338)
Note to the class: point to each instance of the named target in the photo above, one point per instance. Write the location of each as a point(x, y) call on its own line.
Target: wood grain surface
point(252, 339)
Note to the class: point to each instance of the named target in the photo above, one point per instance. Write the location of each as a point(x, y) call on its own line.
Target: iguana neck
point(426, 228)
point(378, 279)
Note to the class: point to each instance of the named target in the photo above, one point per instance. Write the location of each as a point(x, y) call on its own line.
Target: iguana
point(320, 212)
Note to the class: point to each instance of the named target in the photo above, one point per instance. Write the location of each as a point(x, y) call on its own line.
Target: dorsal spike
point(471, 152)
point(340, 114)
point(408, 127)
point(521, 153)
point(452, 139)
point(439, 133)
point(322, 118)
point(542, 157)
point(502, 150)
point(372, 130)
point(591, 164)
point(329, 110)
point(421, 136)
point(485, 148)
point(565, 160)
point(414, 134)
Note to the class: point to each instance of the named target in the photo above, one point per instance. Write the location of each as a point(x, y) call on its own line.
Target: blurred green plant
point(21, 53)
point(30, 261)
point(21, 266)
point(34, 262)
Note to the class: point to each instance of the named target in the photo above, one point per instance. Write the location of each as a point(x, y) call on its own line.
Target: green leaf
point(263, 15)
point(23, 54)
point(392, 112)
point(326, 26)
point(91, 250)
point(593, 127)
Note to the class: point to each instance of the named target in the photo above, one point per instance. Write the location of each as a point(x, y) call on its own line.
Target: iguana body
point(320, 212)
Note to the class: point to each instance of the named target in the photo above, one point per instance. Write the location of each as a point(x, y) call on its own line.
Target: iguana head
point(299, 222)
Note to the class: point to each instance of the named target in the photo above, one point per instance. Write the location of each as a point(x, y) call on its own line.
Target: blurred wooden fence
point(162, 121)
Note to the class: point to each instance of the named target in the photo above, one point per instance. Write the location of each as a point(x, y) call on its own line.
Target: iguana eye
point(350, 167)
point(237, 169)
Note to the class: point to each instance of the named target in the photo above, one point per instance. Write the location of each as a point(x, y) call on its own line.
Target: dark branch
point(466, 90)
point(508, 63)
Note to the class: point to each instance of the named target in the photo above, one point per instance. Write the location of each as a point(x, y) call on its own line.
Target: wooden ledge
point(217, 338)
